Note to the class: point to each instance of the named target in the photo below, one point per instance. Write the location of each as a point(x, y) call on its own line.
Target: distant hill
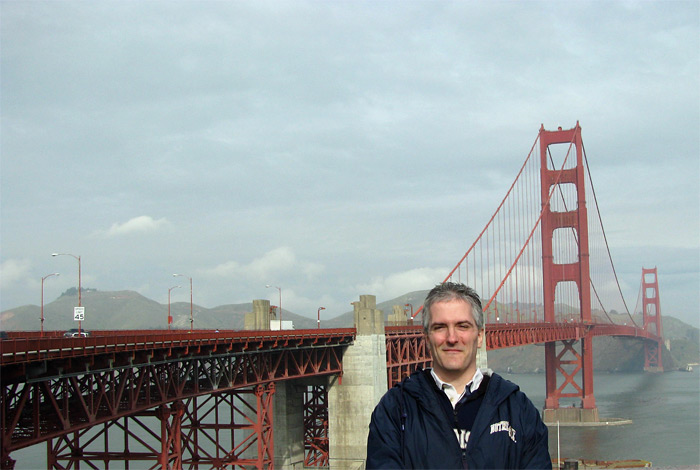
point(130, 310)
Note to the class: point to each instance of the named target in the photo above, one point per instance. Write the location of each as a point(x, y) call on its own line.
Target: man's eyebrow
point(461, 322)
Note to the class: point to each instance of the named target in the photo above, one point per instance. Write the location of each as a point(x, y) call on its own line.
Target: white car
point(74, 333)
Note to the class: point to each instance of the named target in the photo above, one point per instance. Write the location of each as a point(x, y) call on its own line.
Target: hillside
point(131, 310)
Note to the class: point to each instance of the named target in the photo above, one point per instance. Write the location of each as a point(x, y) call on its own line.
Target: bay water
point(664, 410)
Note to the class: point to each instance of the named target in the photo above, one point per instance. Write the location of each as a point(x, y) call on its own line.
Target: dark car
point(3, 335)
point(75, 333)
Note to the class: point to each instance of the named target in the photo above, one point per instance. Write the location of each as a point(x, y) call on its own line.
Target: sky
point(331, 149)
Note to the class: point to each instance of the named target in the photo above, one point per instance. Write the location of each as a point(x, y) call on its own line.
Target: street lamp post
point(318, 317)
point(170, 318)
point(279, 289)
point(42, 300)
point(80, 287)
point(191, 317)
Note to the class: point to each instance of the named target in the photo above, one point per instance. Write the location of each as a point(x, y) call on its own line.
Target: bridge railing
point(29, 347)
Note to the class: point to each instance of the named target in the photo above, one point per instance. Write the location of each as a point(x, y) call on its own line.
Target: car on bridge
point(75, 333)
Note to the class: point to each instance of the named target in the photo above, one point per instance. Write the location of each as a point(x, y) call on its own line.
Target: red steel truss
point(407, 350)
point(131, 375)
point(223, 430)
point(316, 426)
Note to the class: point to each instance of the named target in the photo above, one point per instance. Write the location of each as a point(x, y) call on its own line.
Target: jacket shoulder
point(500, 389)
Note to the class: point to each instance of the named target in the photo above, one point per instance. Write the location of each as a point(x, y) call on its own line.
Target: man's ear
point(482, 335)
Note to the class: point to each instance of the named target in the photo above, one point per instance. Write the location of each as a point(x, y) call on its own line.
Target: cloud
point(403, 282)
point(267, 268)
point(273, 262)
point(14, 270)
point(139, 224)
point(228, 269)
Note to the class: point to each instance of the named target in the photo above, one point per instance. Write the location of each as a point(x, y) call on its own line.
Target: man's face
point(453, 339)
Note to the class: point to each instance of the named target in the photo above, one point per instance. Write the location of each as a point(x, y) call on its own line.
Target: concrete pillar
point(368, 320)
point(398, 317)
point(352, 398)
point(288, 427)
point(259, 318)
point(481, 359)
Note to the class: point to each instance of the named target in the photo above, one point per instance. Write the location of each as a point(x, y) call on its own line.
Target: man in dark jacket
point(455, 416)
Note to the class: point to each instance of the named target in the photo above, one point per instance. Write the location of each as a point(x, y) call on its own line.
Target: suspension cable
point(605, 238)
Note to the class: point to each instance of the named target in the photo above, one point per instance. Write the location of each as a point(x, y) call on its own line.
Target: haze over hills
point(130, 310)
point(106, 310)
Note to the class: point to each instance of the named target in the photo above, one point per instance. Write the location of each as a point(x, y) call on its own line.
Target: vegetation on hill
point(73, 291)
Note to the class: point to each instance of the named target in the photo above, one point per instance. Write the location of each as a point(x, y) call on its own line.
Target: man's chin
point(454, 366)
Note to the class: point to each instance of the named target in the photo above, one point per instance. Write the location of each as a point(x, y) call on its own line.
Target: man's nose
point(452, 334)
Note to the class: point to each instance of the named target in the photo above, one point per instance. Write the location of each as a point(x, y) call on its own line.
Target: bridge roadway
point(24, 350)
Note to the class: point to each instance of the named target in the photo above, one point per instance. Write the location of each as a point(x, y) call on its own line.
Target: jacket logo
point(462, 437)
point(504, 426)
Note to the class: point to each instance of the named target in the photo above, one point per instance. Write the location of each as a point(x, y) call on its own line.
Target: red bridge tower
point(566, 361)
point(651, 313)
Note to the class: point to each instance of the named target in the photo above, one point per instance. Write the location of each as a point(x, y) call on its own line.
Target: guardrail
point(31, 347)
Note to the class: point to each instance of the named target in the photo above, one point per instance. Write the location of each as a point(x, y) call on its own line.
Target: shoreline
point(602, 422)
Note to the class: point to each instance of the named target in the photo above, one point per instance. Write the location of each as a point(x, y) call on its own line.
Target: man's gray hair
point(453, 291)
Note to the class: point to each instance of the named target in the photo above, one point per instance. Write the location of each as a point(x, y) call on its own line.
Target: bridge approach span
point(53, 386)
point(407, 350)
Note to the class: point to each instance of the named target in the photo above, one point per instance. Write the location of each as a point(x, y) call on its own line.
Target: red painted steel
point(67, 408)
point(230, 429)
point(407, 350)
point(651, 314)
point(559, 363)
point(194, 433)
point(316, 426)
point(28, 347)
point(117, 376)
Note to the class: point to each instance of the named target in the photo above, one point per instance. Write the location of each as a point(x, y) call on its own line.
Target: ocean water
point(664, 409)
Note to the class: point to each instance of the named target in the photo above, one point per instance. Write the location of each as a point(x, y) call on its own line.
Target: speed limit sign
point(79, 313)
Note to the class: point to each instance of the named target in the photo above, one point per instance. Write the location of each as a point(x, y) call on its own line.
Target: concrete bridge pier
point(288, 428)
point(352, 397)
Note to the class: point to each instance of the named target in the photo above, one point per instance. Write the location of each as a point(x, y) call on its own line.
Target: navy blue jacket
point(410, 430)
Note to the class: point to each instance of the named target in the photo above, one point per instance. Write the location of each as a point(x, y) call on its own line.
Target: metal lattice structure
point(130, 375)
point(316, 426)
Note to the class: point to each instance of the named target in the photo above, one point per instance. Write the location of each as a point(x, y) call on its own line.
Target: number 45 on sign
point(79, 313)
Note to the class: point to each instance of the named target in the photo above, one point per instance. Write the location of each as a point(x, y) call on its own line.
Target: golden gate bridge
point(203, 399)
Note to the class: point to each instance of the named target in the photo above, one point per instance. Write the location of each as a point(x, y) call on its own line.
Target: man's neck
point(459, 382)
